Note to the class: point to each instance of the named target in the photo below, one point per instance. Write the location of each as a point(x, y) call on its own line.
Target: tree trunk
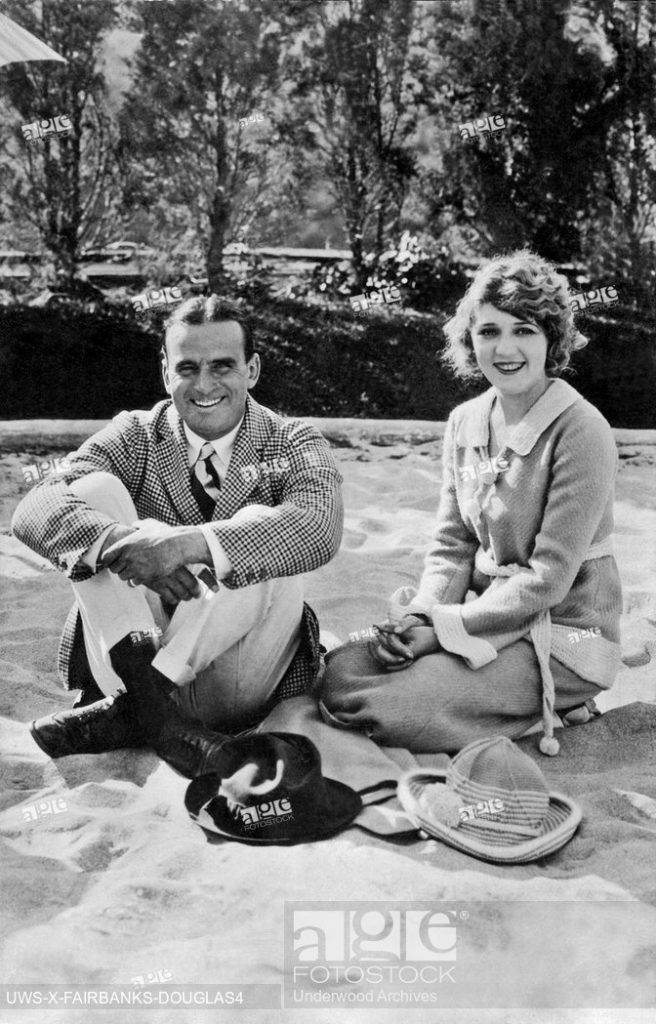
point(218, 227)
point(357, 261)
point(355, 204)
point(219, 218)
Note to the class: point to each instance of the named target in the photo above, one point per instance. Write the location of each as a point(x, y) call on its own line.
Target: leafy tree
point(199, 70)
point(530, 182)
point(573, 172)
point(358, 79)
point(62, 186)
point(616, 239)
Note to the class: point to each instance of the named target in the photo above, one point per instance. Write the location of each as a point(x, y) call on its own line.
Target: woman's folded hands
point(398, 644)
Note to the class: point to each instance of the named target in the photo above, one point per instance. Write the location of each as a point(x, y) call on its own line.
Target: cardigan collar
point(474, 427)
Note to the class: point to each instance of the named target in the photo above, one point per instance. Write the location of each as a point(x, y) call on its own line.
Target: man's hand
point(398, 645)
point(180, 585)
point(155, 555)
point(116, 533)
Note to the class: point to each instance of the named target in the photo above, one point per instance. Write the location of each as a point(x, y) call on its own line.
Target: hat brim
point(561, 822)
point(339, 808)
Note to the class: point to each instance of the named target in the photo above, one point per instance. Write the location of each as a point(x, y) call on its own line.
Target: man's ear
point(254, 367)
point(165, 372)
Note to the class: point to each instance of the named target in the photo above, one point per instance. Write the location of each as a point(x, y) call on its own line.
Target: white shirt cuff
point(220, 559)
point(453, 637)
point(92, 554)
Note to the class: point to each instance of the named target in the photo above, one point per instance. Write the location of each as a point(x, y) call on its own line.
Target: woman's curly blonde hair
point(528, 287)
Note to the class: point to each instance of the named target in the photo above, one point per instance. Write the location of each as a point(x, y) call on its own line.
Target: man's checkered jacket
point(293, 524)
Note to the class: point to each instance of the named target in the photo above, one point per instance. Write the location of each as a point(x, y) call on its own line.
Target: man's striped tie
point(205, 481)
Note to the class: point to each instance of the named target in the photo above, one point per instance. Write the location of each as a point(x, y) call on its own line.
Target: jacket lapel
point(246, 455)
point(172, 466)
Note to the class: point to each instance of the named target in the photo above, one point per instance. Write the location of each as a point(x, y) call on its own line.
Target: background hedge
point(317, 360)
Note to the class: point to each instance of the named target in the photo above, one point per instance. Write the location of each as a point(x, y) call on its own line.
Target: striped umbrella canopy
point(17, 44)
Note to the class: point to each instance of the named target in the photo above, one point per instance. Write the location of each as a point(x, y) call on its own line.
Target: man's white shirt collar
point(222, 445)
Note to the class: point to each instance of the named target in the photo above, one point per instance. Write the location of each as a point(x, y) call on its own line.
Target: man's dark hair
point(212, 309)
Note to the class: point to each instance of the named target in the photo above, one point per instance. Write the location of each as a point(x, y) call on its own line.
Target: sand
point(120, 883)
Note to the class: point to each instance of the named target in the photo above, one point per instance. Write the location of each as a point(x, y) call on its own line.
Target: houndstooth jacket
point(276, 463)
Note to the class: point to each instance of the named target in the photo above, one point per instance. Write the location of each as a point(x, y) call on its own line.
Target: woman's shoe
point(109, 724)
point(580, 714)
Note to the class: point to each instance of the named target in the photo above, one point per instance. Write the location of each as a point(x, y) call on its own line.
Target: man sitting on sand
point(207, 480)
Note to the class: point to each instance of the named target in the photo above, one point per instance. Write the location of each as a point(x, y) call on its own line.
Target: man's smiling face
point(207, 376)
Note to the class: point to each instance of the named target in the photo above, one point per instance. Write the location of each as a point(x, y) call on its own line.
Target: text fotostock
point(364, 953)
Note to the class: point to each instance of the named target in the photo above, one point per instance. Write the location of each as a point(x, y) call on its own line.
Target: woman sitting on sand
point(521, 557)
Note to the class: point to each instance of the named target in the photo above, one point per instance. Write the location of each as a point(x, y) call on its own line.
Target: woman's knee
point(349, 686)
point(331, 689)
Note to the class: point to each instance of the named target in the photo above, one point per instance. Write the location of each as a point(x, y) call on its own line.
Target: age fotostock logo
point(369, 952)
point(261, 815)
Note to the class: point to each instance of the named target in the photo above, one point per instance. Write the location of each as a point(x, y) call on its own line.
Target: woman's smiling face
point(510, 352)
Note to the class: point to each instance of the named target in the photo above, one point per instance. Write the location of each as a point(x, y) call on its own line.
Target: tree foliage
point(616, 237)
point(361, 101)
point(576, 83)
point(199, 70)
point(62, 186)
point(360, 78)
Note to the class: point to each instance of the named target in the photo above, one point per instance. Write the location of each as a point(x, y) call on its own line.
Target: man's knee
point(283, 597)
point(285, 586)
point(106, 493)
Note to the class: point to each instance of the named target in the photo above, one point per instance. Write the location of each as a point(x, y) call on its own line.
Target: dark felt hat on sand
point(273, 792)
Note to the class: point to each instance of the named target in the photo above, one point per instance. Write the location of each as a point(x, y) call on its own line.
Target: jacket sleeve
point(450, 558)
point(299, 534)
point(58, 525)
point(582, 480)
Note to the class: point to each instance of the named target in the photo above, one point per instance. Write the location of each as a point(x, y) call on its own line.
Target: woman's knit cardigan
point(550, 502)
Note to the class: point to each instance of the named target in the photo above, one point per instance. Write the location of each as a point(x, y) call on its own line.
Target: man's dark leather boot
point(193, 749)
point(89, 694)
point(143, 715)
point(109, 724)
point(186, 744)
point(112, 723)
